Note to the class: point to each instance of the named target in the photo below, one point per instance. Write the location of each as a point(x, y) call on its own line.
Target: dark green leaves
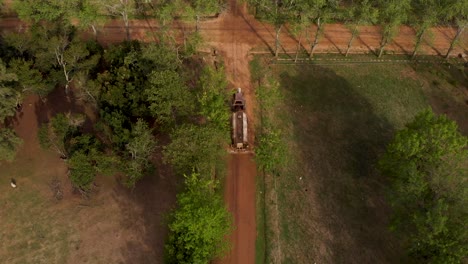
point(428, 166)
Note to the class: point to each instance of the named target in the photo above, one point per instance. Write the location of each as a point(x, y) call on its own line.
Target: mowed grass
point(337, 121)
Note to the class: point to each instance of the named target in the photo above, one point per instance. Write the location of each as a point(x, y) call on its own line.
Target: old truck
point(239, 121)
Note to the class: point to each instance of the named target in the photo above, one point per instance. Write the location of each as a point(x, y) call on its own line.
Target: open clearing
point(336, 121)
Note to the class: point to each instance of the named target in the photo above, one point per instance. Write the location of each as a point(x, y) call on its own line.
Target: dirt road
point(240, 198)
point(240, 180)
point(261, 35)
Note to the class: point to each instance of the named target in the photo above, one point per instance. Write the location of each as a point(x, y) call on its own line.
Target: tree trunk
point(317, 33)
point(418, 42)
point(127, 26)
point(454, 40)
point(354, 33)
point(298, 47)
point(382, 47)
point(196, 25)
point(94, 31)
point(277, 41)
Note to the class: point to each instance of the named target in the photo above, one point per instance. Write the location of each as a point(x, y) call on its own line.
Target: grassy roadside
point(272, 159)
point(260, 242)
point(335, 121)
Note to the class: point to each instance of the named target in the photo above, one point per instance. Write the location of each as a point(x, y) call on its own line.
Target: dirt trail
point(240, 181)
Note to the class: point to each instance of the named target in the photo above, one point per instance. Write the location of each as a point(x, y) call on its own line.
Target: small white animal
point(13, 183)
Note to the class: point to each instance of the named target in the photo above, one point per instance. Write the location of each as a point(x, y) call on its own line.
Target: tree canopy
point(199, 225)
point(427, 163)
point(9, 143)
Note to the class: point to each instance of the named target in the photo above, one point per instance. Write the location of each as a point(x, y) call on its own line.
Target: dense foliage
point(200, 224)
point(427, 163)
point(9, 142)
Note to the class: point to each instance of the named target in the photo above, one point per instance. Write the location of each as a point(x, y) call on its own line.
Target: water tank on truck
point(239, 121)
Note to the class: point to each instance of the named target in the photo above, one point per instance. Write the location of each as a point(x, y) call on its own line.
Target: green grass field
point(336, 121)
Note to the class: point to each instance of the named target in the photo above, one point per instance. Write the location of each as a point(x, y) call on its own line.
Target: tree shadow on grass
point(447, 91)
point(145, 209)
point(342, 213)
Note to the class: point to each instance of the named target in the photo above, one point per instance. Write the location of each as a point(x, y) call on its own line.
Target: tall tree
point(169, 97)
point(199, 225)
point(195, 147)
point(456, 11)
point(362, 12)
point(426, 14)
point(9, 97)
point(90, 14)
point(140, 147)
point(213, 97)
point(9, 143)
point(30, 79)
point(122, 8)
point(38, 10)
point(278, 13)
point(427, 163)
point(57, 133)
point(203, 7)
point(318, 12)
point(393, 14)
point(72, 56)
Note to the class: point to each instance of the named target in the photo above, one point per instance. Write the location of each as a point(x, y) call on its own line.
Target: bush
point(428, 167)
point(199, 225)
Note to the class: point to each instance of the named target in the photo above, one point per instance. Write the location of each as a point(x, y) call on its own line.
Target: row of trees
point(94, 13)
point(9, 101)
point(427, 164)
point(389, 14)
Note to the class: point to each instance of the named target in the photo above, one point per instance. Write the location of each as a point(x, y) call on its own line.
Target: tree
point(30, 79)
point(9, 144)
point(213, 97)
point(122, 8)
point(89, 15)
point(199, 225)
point(168, 96)
point(140, 147)
point(38, 10)
point(72, 57)
point(9, 97)
point(427, 14)
point(56, 52)
point(82, 171)
point(87, 160)
point(57, 133)
point(203, 7)
point(195, 147)
point(320, 11)
point(278, 13)
point(362, 12)
point(456, 11)
point(427, 165)
point(393, 14)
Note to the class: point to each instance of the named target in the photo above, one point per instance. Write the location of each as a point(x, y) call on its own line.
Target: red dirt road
point(239, 194)
point(261, 35)
point(239, 190)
